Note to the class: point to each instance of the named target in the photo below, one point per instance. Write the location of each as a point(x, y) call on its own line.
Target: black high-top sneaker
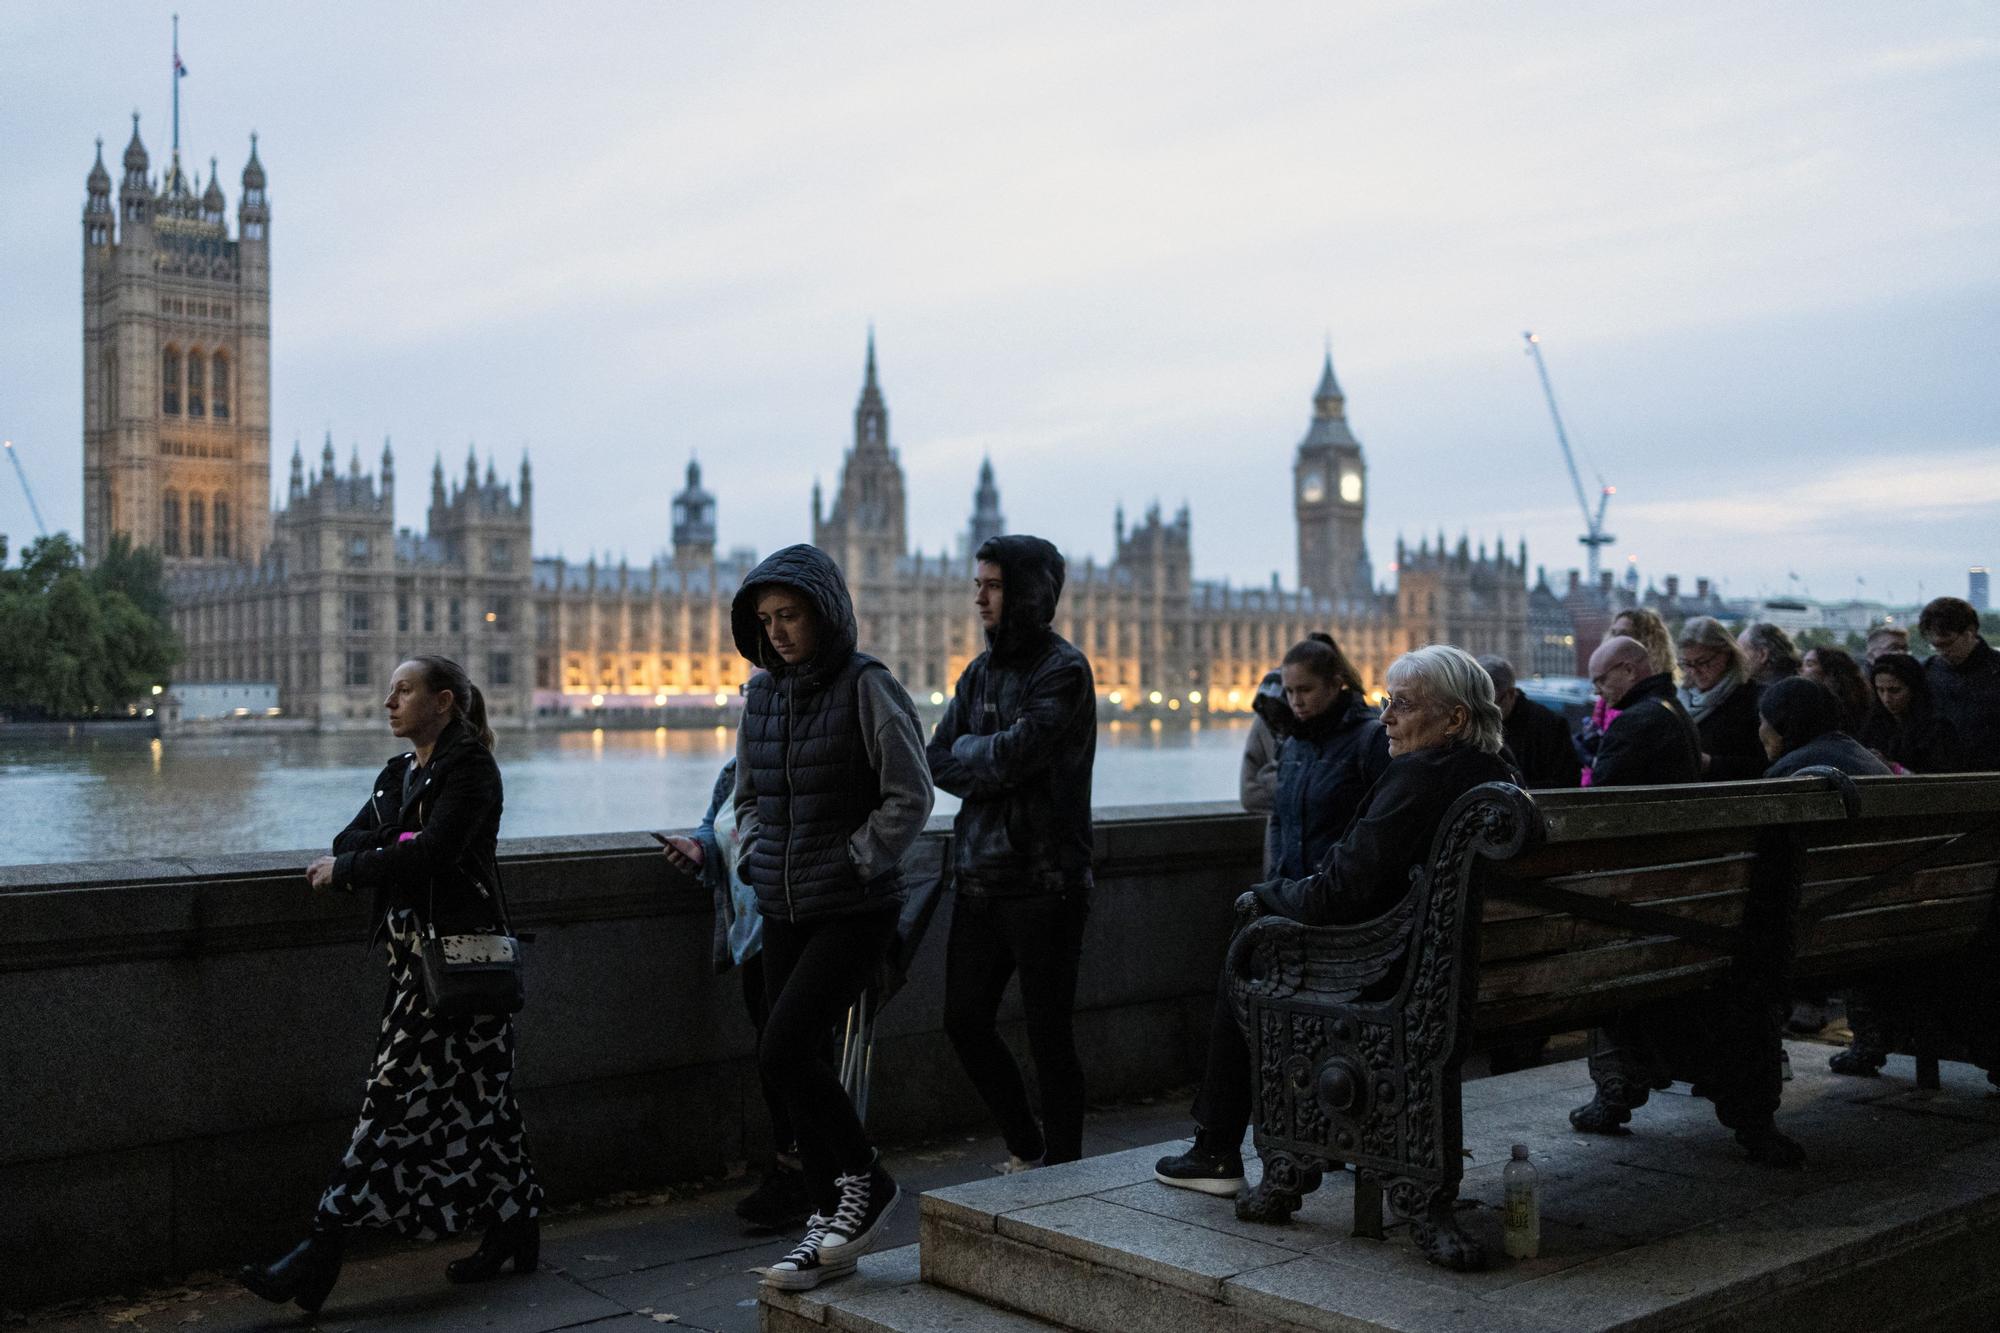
point(807, 1265)
point(1209, 1166)
point(781, 1200)
point(866, 1200)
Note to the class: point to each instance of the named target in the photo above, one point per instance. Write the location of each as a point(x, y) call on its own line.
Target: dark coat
point(1835, 749)
point(454, 811)
point(1018, 741)
point(1325, 768)
point(1968, 697)
point(1651, 741)
point(804, 754)
point(1729, 736)
point(1925, 743)
point(1368, 870)
point(1541, 745)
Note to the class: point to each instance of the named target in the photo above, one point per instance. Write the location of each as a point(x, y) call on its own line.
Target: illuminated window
point(221, 527)
point(197, 527)
point(170, 523)
point(170, 381)
point(196, 394)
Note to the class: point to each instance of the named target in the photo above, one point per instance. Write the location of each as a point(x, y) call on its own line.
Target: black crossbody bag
point(471, 975)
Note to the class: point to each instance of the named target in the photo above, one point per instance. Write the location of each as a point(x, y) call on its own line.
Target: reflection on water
point(113, 796)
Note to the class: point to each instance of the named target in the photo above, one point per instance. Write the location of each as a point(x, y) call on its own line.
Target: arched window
point(196, 396)
point(170, 523)
point(196, 527)
point(170, 381)
point(221, 526)
point(218, 387)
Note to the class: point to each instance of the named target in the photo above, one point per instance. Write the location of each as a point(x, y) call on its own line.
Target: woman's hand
point(684, 854)
point(320, 873)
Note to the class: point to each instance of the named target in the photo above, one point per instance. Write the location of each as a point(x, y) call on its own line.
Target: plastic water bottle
point(1521, 1222)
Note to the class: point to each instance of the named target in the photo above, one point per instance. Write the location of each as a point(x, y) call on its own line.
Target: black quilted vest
point(808, 766)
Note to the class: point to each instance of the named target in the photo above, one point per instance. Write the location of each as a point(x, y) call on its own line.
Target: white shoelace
point(853, 1209)
point(806, 1253)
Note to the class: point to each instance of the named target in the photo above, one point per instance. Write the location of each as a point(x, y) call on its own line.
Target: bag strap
point(499, 893)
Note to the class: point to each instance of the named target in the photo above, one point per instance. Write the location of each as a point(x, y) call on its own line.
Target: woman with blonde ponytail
point(438, 1148)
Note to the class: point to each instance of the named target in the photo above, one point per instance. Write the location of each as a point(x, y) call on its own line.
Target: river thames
point(112, 796)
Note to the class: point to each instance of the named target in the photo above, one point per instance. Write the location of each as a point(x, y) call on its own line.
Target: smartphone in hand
point(676, 856)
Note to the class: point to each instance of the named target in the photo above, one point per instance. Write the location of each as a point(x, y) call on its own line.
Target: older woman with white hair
point(1721, 699)
point(1444, 739)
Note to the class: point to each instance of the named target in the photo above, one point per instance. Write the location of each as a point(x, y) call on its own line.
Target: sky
point(1106, 245)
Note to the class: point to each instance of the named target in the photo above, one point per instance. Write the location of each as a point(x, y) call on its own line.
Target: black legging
point(1222, 1106)
point(1041, 937)
point(813, 971)
point(758, 1006)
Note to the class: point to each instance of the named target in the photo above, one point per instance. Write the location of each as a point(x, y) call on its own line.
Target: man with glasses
point(1964, 676)
point(1651, 740)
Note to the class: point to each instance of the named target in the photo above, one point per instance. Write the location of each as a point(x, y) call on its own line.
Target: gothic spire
point(1328, 397)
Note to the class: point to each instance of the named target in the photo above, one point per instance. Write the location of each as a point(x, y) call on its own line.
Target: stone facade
point(176, 364)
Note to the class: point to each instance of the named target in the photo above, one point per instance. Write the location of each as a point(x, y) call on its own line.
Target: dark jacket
point(1541, 744)
point(1325, 768)
point(714, 874)
point(1925, 743)
point(1019, 738)
point(454, 811)
point(1835, 749)
point(1729, 736)
point(1271, 722)
point(1651, 741)
point(1368, 870)
point(1968, 697)
point(831, 787)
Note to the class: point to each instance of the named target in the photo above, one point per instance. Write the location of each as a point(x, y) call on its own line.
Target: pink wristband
point(404, 837)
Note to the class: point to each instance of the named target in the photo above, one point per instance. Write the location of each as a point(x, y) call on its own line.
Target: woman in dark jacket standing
point(1903, 726)
point(439, 1146)
point(1333, 756)
point(831, 789)
point(1721, 698)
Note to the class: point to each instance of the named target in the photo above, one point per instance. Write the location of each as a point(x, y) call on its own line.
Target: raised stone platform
point(1894, 1223)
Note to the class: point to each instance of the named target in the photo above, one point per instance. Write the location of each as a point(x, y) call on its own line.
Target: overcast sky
point(1103, 243)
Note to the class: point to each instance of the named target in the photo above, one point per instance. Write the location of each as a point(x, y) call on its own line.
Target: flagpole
point(177, 93)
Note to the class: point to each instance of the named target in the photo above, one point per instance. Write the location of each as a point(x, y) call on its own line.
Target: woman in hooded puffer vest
point(831, 790)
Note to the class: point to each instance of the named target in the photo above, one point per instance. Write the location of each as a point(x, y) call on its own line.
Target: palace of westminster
point(324, 595)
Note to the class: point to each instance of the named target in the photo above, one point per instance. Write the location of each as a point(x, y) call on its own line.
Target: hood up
point(812, 574)
point(1799, 710)
point(1033, 570)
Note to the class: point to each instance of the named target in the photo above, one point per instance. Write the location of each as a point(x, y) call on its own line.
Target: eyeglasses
point(1699, 661)
point(1401, 703)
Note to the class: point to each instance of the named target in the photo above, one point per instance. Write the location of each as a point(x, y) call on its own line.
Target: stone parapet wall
point(186, 1039)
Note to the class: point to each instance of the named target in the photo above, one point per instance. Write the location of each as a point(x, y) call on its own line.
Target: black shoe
point(305, 1275)
point(519, 1240)
point(780, 1201)
point(866, 1200)
point(1598, 1116)
point(1208, 1167)
point(806, 1266)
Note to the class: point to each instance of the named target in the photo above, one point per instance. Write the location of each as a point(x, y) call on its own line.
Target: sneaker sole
point(804, 1279)
point(1221, 1187)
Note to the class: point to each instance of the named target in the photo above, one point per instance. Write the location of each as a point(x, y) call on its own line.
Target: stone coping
point(1894, 1222)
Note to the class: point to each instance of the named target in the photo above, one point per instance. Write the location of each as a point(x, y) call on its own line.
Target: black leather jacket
point(1018, 740)
point(454, 811)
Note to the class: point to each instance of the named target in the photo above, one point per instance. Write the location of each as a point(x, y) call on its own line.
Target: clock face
point(1350, 487)
point(1312, 485)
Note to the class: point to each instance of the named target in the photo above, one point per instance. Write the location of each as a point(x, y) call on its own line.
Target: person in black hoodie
point(1444, 740)
point(1333, 756)
point(831, 791)
point(1801, 729)
point(438, 1147)
point(1016, 745)
point(1651, 740)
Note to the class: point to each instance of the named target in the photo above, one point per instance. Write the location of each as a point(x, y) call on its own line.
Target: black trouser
point(1041, 937)
point(758, 1006)
point(1222, 1105)
point(813, 972)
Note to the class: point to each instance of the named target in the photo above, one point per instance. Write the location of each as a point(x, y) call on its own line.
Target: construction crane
point(1594, 538)
point(14, 457)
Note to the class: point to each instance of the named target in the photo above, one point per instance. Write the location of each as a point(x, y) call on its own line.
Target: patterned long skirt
point(439, 1147)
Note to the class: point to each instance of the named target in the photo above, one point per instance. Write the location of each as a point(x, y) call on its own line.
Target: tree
point(74, 642)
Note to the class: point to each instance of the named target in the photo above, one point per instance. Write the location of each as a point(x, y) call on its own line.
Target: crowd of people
point(804, 839)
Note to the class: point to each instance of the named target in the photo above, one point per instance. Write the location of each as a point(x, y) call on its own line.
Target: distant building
point(1976, 590)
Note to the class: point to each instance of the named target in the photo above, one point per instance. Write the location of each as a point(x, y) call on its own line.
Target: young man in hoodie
point(831, 790)
point(1016, 744)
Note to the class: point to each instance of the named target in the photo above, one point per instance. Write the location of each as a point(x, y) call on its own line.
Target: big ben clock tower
point(1329, 494)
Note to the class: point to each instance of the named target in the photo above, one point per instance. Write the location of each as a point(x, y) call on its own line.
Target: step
point(886, 1295)
point(1894, 1224)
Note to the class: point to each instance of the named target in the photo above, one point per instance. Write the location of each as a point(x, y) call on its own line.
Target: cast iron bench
point(1554, 910)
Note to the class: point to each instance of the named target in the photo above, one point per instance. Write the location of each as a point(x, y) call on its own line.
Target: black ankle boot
point(519, 1240)
point(305, 1275)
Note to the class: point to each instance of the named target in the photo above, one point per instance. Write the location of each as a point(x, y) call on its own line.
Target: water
point(113, 796)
